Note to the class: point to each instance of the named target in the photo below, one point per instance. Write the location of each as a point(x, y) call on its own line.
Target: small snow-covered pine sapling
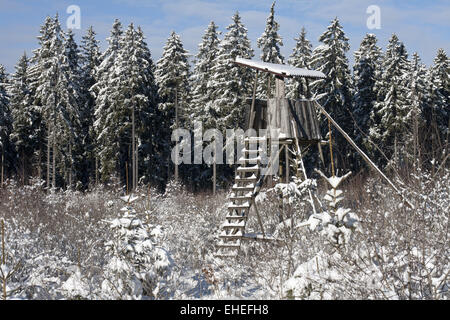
point(337, 223)
point(137, 267)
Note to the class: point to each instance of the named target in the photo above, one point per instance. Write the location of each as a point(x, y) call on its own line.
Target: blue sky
point(422, 25)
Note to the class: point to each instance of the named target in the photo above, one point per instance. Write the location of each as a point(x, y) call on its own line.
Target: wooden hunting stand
point(291, 124)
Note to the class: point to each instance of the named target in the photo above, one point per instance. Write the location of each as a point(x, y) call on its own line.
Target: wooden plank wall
point(278, 113)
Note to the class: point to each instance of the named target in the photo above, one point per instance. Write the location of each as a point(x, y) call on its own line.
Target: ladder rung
point(251, 151)
point(246, 180)
point(231, 245)
point(243, 189)
point(235, 217)
point(234, 224)
point(254, 168)
point(243, 198)
point(246, 188)
point(239, 206)
point(249, 160)
point(231, 236)
point(255, 139)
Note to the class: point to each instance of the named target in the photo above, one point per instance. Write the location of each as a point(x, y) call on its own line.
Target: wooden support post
point(319, 146)
point(280, 91)
point(286, 155)
point(299, 153)
point(308, 93)
point(270, 156)
point(252, 109)
point(259, 218)
point(214, 175)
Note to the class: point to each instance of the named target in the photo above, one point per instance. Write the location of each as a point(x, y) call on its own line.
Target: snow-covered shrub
point(137, 266)
point(336, 223)
point(8, 267)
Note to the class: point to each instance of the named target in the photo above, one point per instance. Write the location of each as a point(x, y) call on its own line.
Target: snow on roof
point(283, 70)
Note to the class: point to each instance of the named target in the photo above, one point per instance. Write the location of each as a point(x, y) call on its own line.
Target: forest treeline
point(75, 117)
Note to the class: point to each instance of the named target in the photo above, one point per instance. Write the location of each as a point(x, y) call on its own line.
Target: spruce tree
point(6, 152)
point(40, 55)
point(106, 147)
point(89, 60)
point(230, 84)
point(392, 105)
point(441, 71)
point(25, 118)
point(133, 98)
point(436, 111)
point(148, 118)
point(203, 64)
point(366, 70)
point(172, 77)
point(75, 99)
point(198, 175)
point(300, 58)
point(58, 93)
point(417, 99)
point(269, 43)
point(334, 92)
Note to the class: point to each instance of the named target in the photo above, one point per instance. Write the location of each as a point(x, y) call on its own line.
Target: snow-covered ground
point(97, 245)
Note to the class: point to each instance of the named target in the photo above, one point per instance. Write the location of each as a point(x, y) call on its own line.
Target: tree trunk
point(23, 169)
point(133, 150)
point(176, 127)
point(96, 170)
point(54, 165)
point(70, 168)
point(137, 166)
point(48, 159)
point(3, 161)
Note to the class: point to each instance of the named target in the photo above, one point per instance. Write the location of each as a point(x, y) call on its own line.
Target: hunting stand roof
point(283, 70)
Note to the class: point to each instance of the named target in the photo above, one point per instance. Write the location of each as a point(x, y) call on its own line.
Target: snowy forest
point(91, 206)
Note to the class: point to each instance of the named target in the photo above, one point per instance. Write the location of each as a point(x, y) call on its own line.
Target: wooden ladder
point(242, 198)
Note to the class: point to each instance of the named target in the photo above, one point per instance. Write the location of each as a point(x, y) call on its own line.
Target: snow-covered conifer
point(106, 149)
point(270, 43)
point(6, 152)
point(392, 105)
point(132, 97)
point(300, 58)
point(201, 93)
point(25, 118)
point(137, 266)
point(231, 85)
point(89, 59)
point(336, 223)
point(365, 72)
point(172, 77)
point(440, 115)
point(334, 92)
